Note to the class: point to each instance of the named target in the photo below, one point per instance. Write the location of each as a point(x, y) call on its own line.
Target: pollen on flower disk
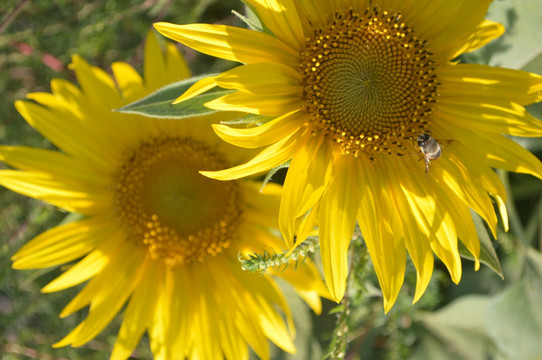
point(369, 82)
point(179, 215)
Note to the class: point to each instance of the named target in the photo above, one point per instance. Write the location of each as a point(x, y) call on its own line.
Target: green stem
point(257, 262)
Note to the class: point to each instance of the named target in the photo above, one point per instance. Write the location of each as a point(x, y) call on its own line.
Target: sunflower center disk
point(369, 83)
point(179, 215)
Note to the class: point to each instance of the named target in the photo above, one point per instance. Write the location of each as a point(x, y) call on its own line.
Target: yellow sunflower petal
point(272, 105)
point(247, 325)
point(307, 283)
point(176, 65)
point(483, 84)
point(337, 220)
point(62, 244)
point(154, 63)
point(157, 330)
point(502, 210)
point(509, 155)
point(96, 84)
point(275, 329)
point(206, 347)
point(233, 345)
point(110, 301)
point(271, 320)
point(498, 152)
point(457, 200)
point(422, 256)
point(317, 12)
point(136, 321)
point(68, 339)
point(488, 30)
point(434, 221)
point(388, 254)
point(263, 78)
point(264, 207)
point(264, 135)
point(306, 227)
point(448, 24)
point(67, 95)
point(179, 282)
point(65, 131)
point(236, 343)
point(282, 19)
point(52, 162)
point(230, 43)
point(465, 154)
point(269, 158)
point(415, 241)
point(85, 269)
point(465, 230)
point(455, 173)
point(199, 87)
point(70, 196)
point(96, 285)
point(512, 119)
point(128, 80)
point(307, 178)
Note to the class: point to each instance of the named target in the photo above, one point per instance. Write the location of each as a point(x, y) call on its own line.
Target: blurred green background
point(484, 317)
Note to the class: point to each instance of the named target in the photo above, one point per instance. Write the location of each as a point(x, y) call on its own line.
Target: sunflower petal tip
point(64, 314)
point(76, 60)
point(17, 264)
point(456, 277)
point(178, 100)
point(476, 264)
point(47, 289)
point(64, 342)
point(387, 307)
point(335, 296)
point(339, 297)
point(159, 25)
point(213, 175)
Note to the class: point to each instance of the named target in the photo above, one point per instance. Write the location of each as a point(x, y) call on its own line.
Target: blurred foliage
point(484, 317)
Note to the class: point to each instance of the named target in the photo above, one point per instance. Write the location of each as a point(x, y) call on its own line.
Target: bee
point(430, 149)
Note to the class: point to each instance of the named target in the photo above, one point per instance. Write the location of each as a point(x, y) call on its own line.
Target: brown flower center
point(369, 82)
point(179, 215)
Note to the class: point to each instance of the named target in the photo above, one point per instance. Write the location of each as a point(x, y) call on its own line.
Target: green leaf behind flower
point(488, 256)
point(514, 320)
point(455, 332)
point(159, 103)
point(520, 47)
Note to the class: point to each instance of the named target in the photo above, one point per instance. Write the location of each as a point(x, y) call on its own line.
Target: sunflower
point(154, 234)
point(358, 93)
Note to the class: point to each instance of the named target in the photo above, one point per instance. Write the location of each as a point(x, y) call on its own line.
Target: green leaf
point(159, 103)
point(515, 320)
point(535, 260)
point(521, 45)
point(431, 348)
point(457, 331)
point(273, 171)
point(337, 309)
point(488, 256)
